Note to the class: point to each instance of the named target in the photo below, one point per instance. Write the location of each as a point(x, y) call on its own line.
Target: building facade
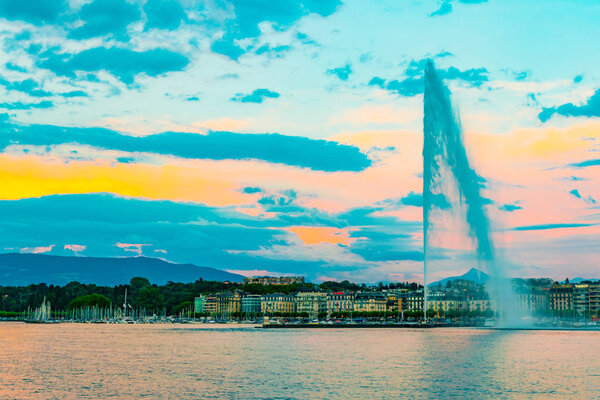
point(581, 299)
point(311, 303)
point(340, 302)
point(229, 304)
point(210, 305)
point(561, 297)
point(369, 302)
point(594, 300)
point(414, 301)
point(278, 303)
point(251, 304)
point(274, 280)
point(478, 304)
point(532, 301)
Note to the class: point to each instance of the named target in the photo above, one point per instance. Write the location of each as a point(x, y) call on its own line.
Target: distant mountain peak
point(472, 274)
point(21, 269)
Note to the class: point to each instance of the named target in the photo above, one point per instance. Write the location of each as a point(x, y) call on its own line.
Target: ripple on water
point(190, 362)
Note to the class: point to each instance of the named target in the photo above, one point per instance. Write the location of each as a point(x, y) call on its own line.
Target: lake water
point(68, 361)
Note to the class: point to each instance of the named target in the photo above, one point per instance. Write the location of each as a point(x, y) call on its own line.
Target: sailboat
point(42, 314)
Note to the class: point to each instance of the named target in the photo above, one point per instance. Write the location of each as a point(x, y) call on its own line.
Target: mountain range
point(17, 269)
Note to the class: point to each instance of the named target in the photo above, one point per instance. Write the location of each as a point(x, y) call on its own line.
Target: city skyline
point(268, 141)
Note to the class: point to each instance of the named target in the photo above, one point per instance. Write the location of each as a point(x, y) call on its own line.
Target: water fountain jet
point(444, 154)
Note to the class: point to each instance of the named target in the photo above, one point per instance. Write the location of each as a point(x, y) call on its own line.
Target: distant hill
point(23, 269)
point(473, 275)
point(579, 280)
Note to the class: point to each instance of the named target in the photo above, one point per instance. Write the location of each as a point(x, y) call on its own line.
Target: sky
point(285, 137)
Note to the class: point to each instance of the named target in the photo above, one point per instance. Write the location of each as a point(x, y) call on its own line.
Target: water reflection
point(196, 361)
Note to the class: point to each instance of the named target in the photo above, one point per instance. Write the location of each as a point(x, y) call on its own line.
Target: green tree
point(150, 298)
point(89, 300)
point(183, 306)
point(138, 283)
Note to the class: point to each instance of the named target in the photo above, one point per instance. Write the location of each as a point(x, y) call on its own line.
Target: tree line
point(141, 293)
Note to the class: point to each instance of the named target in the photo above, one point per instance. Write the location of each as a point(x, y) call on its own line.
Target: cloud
point(385, 253)
point(413, 199)
point(408, 87)
point(256, 272)
point(108, 225)
point(474, 76)
point(251, 190)
point(291, 150)
point(321, 234)
point(213, 236)
point(589, 199)
point(574, 178)
point(587, 163)
point(591, 108)
point(136, 248)
point(75, 248)
point(521, 75)
point(14, 67)
point(445, 8)
point(273, 51)
point(443, 54)
point(27, 106)
point(284, 201)
point(256, 96)
point(578, 79)
point(163, 14)
point(122, 63)
point(549, 226)
point(414, 84)
point(379, 238)
point(37, 250)
point(416, 200)
point(36, 12)
point(510, 207)
point(28, 86)
point(246, 16)
point(74, 93)
point(341, 72)
point(103, 17)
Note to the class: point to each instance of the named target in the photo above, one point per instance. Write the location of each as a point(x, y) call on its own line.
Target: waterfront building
point(340, 302)
point(478, 304)
point(228, 304)
point(199, 303)
point(414, 301)
point(561, 297)
point(274, 280)
point(581, 299)
point(311, 303)
point(594, 300)
point(210, 305)
point(403, 299)
point(369, 302)
point(443, 302)
point(532, 301)
point(393, 303)
point(278, 303)
point(251, 304)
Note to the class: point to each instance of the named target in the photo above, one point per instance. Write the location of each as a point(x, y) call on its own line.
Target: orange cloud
point(546, 143)
point(76, 248)
point(319, 234)
point(34, 176)
point(37, 250)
